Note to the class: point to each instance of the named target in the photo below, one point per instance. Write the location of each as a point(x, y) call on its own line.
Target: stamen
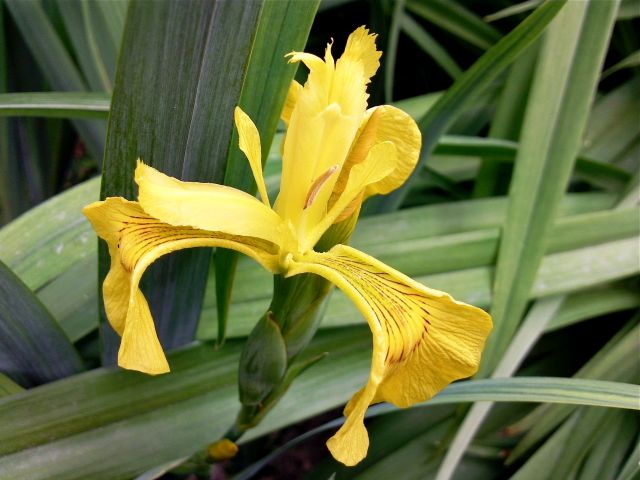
point(317, 185)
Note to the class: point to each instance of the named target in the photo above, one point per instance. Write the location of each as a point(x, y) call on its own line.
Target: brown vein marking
point(136, 238)
point(392, 303)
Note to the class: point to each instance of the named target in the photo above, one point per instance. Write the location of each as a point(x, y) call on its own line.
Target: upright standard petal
point(136, 240)
point(379, 163)
point(250, 146)
point(395, 126)
point(205, 206)
point(322, 120)
point(422, 338)
point(290, 102)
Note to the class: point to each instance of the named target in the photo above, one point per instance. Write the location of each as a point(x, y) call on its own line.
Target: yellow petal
point(322, 125)
point(136, 240)
point(290, 102)
point(395, 126)
point(205, 206)
point(354, 70)
point(250, 145)
point(361, 47)
point(315, 143)
point(422, 338)
point(381, 124)
point(379, 163)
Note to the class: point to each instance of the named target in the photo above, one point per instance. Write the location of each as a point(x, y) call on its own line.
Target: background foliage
point(525, 203)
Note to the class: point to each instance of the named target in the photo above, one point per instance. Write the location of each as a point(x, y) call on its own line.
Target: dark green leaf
point(173, 107)
point(33, 348)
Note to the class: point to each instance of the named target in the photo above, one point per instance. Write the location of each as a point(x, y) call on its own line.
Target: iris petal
point(205, 206)
point(250, 145)
point(422, 338)
point(395, 126)
point(322, 125)
point(380, 162)
point(290, 102)
point(136, 240)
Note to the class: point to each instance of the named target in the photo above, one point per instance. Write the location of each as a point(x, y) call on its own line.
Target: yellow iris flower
point(336, 154)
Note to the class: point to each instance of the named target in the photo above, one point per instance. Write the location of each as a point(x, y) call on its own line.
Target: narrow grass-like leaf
point(542, 389)
point(430, 46)
point(78, 24)
point(502, 152)
point(10, 198)
point(593, 303)
point(104, 38)
point(263, 103)
point(629, 9)
point(562, 91)
point(113, 14)
point(391, 50)
point(630, 61)
point(199, 77)
point(45, 45)
point(613, 360)
point(513, 10)
point(608, 452)
point(55, 62)
point(612, 127)
point(533, 326)
point(8, 386)
point(33, 349)
point(470, 85)
point(456, 19)
point(55, 104)
point(560, 457)
point(493, 176)
point(631, 468)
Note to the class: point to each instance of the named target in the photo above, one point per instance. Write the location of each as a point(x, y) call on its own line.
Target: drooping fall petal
point(422, 338)
point(205, 206)
point(136, 240)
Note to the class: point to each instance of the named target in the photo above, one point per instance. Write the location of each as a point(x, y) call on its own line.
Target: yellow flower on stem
point(336, 154)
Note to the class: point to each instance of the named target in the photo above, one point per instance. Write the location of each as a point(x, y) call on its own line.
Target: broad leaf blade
point(33, 348)
point(173, 107)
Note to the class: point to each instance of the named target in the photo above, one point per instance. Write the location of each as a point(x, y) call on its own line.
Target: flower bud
point(263, 361)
